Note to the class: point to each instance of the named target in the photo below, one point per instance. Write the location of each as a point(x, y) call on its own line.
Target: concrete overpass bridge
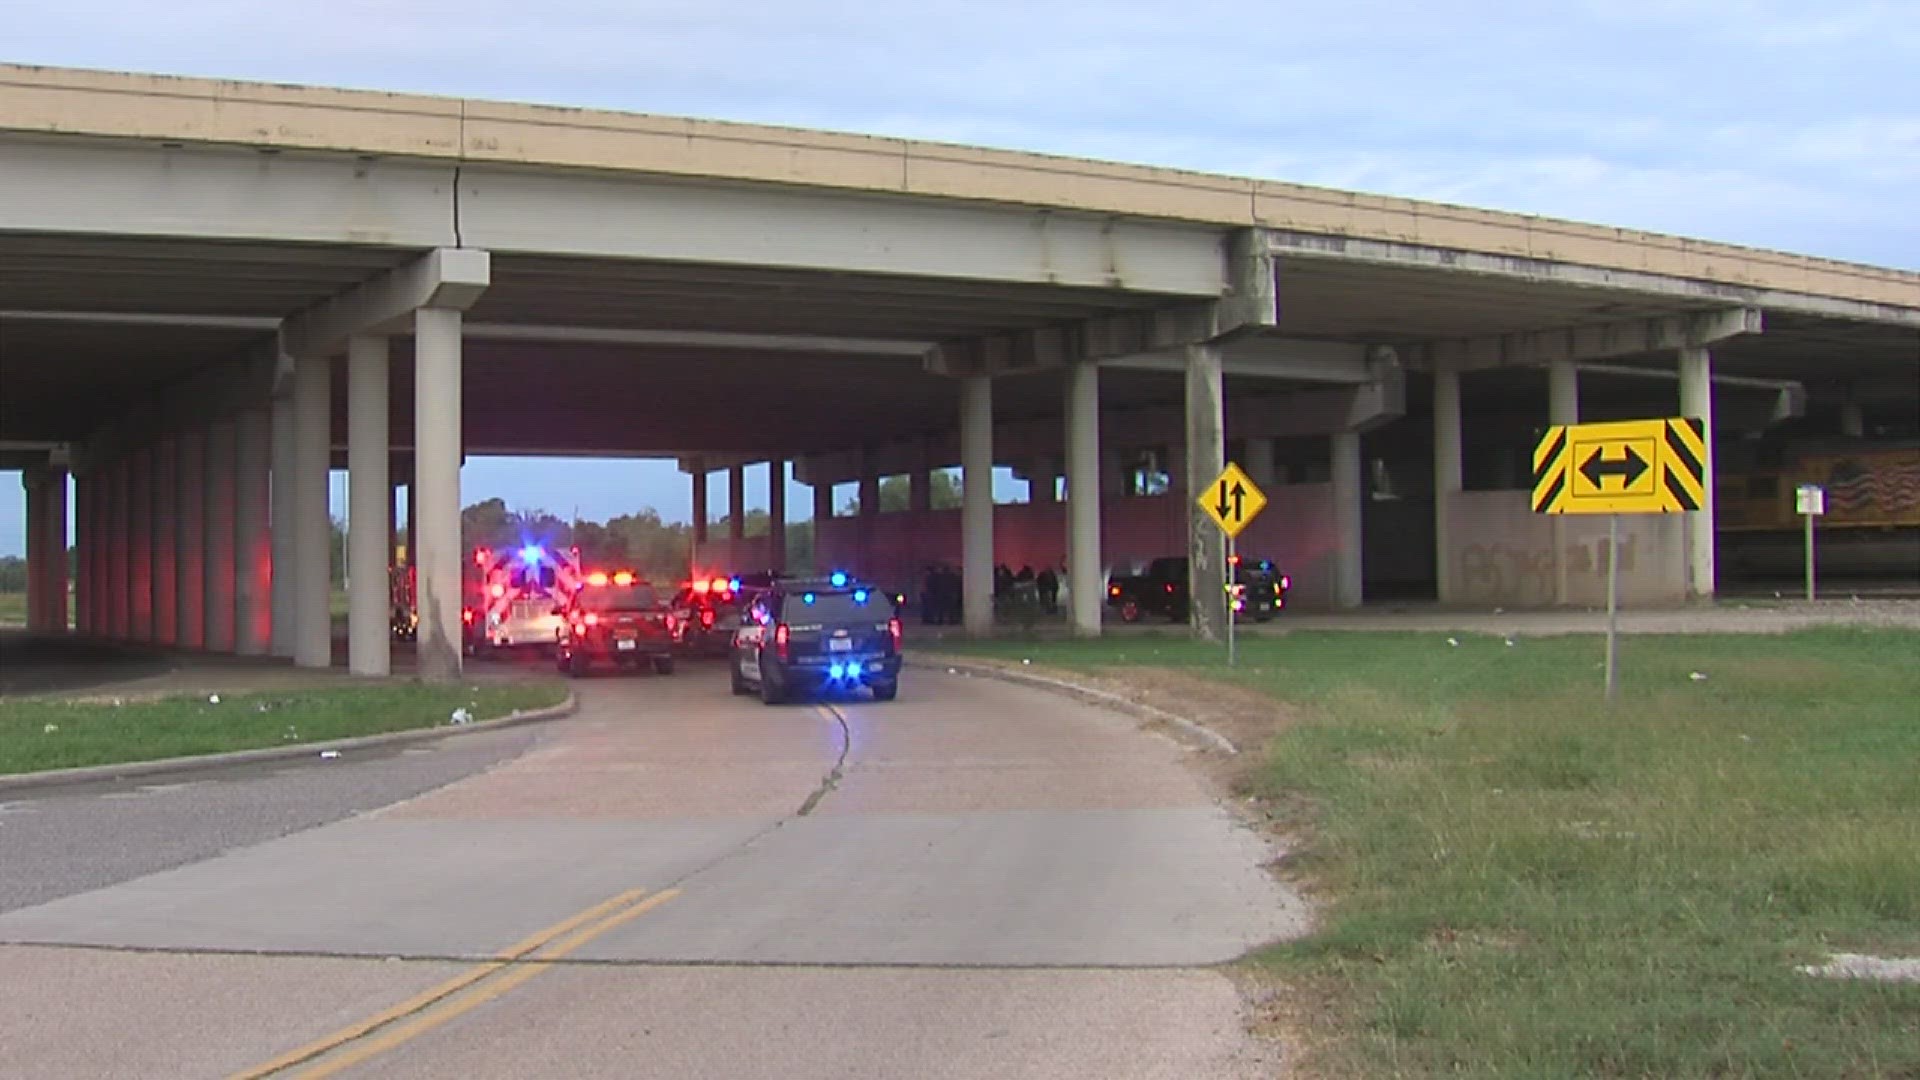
point(212, 292)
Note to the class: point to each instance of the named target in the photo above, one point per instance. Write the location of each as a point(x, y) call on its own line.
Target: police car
point(811, 635)
point(616, 618)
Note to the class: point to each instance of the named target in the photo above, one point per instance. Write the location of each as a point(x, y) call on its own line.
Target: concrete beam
point(447, 278)
point(1245, 305)
point(1304, 245)
point(1629, 338)
point(1297, 359)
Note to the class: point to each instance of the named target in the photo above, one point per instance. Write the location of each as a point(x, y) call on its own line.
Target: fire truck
point(515, 596)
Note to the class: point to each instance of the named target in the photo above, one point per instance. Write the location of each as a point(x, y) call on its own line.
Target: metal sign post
point(1613, 606)
point(1233, 566)
point(1811, 501)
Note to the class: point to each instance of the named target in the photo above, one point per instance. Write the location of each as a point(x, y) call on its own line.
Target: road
point(978, 879)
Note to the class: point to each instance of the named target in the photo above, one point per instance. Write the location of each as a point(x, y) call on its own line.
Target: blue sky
point(1776, 123)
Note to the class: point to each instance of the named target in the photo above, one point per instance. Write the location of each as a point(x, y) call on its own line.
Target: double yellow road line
point(429, 1009)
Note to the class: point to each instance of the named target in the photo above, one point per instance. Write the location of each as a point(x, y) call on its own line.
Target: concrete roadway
point(975, 880)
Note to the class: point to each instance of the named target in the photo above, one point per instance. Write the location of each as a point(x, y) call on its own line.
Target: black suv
point(806, 635)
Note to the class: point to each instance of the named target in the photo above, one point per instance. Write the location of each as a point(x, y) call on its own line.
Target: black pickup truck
point(1259, 591)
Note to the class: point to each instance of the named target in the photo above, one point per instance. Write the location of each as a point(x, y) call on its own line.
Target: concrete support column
point(253, 533)
point(1113, 472)
point(777, 514)
point(281, 514)
point(436, 470)
point(1259, 463)
point(190, 540)
point(1696, 400)
point(822, 504)
point(32, 481)
point(166, 540)
point(920, 490)
point(976, 504)
point(119, 544)
point(54, 551)
point(869, 495)
point(1348, 586)
point(370, 502)
point(413, 518)
point(312, 533)
point(140, 543)
point(1085, 588)
point(82, 546)
point(736, 502)
point(1040, 480)
point(219, 535)
point(1563, 407)
point(1853, 420)
point(1448, 474)
point(1205, 455)
point(699, 477)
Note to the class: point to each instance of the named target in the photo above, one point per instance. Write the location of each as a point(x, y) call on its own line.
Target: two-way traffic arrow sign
point(1233, 500)
point(1629, 468)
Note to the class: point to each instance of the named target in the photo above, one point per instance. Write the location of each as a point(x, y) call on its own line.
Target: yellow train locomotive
point(1871, 527)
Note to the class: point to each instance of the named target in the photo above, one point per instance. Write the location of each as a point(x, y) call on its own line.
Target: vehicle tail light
point(623, 578)
point(498, 591)
point(591, 619)
point(780, 637)
point(1113, 590)
point(667, 621)
point(894, 628)
point(1169, 586)
point(598, 577)
point(706, 617)
point(1286, 582)
point(466, 615)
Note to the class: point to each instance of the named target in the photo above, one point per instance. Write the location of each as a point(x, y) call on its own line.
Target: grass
point(38, 735)
point(13, 609)
point(1519, 882)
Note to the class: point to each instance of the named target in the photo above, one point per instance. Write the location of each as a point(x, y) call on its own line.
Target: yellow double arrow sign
point(1623, 467)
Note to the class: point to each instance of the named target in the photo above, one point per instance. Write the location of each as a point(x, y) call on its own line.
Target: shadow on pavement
point(38, 665)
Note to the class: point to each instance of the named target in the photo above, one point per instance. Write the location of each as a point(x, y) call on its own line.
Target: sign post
point(1232, 501)
point(1624, 467)
point(1811, 501)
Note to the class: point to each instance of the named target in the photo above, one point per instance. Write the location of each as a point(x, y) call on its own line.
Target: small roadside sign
point(1810, 499)
point(1232, 500)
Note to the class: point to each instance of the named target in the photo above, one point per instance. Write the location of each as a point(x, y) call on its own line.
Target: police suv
point(809, 635)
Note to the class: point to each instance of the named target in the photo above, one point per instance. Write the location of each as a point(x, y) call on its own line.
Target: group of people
point(940, 590)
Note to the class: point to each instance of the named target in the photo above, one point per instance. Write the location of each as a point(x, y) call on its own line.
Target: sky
point(1773, 123)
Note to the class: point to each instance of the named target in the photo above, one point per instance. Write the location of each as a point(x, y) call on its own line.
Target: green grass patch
point(39, 735)
point(1522, 882)
point(13, 609)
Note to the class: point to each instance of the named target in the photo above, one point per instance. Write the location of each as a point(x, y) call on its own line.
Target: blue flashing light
point(807, 598)
point(839, 578)
point(530, 554)
point(837, 671)
point(859, 596)
point(733, 584)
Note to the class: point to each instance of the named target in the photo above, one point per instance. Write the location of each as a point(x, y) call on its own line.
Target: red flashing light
point(591, 619)
point(898, 632)
point(700, 586)
point(1113, 590)
point(466, 615)
point(1169, 586)
point(780, 635)
point(598, 577)
point(623, 578)
point(1234, 559)
point(498, 590)
point(706, 617)
point(480, 556)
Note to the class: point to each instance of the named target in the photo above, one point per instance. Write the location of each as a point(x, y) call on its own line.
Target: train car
point(1871, 528)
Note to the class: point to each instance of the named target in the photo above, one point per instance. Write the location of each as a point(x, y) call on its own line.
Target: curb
point(130, 769)
point(1071, 689)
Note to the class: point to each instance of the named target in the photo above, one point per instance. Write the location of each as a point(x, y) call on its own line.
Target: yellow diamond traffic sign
point(1232, 500)
point(1622, 467)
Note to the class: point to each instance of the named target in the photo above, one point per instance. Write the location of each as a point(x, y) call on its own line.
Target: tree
point(896, 492)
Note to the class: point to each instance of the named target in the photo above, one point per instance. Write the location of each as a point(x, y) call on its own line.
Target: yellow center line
point(502, 959)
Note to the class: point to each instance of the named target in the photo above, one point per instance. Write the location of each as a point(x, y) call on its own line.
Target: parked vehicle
point(1257, 589)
